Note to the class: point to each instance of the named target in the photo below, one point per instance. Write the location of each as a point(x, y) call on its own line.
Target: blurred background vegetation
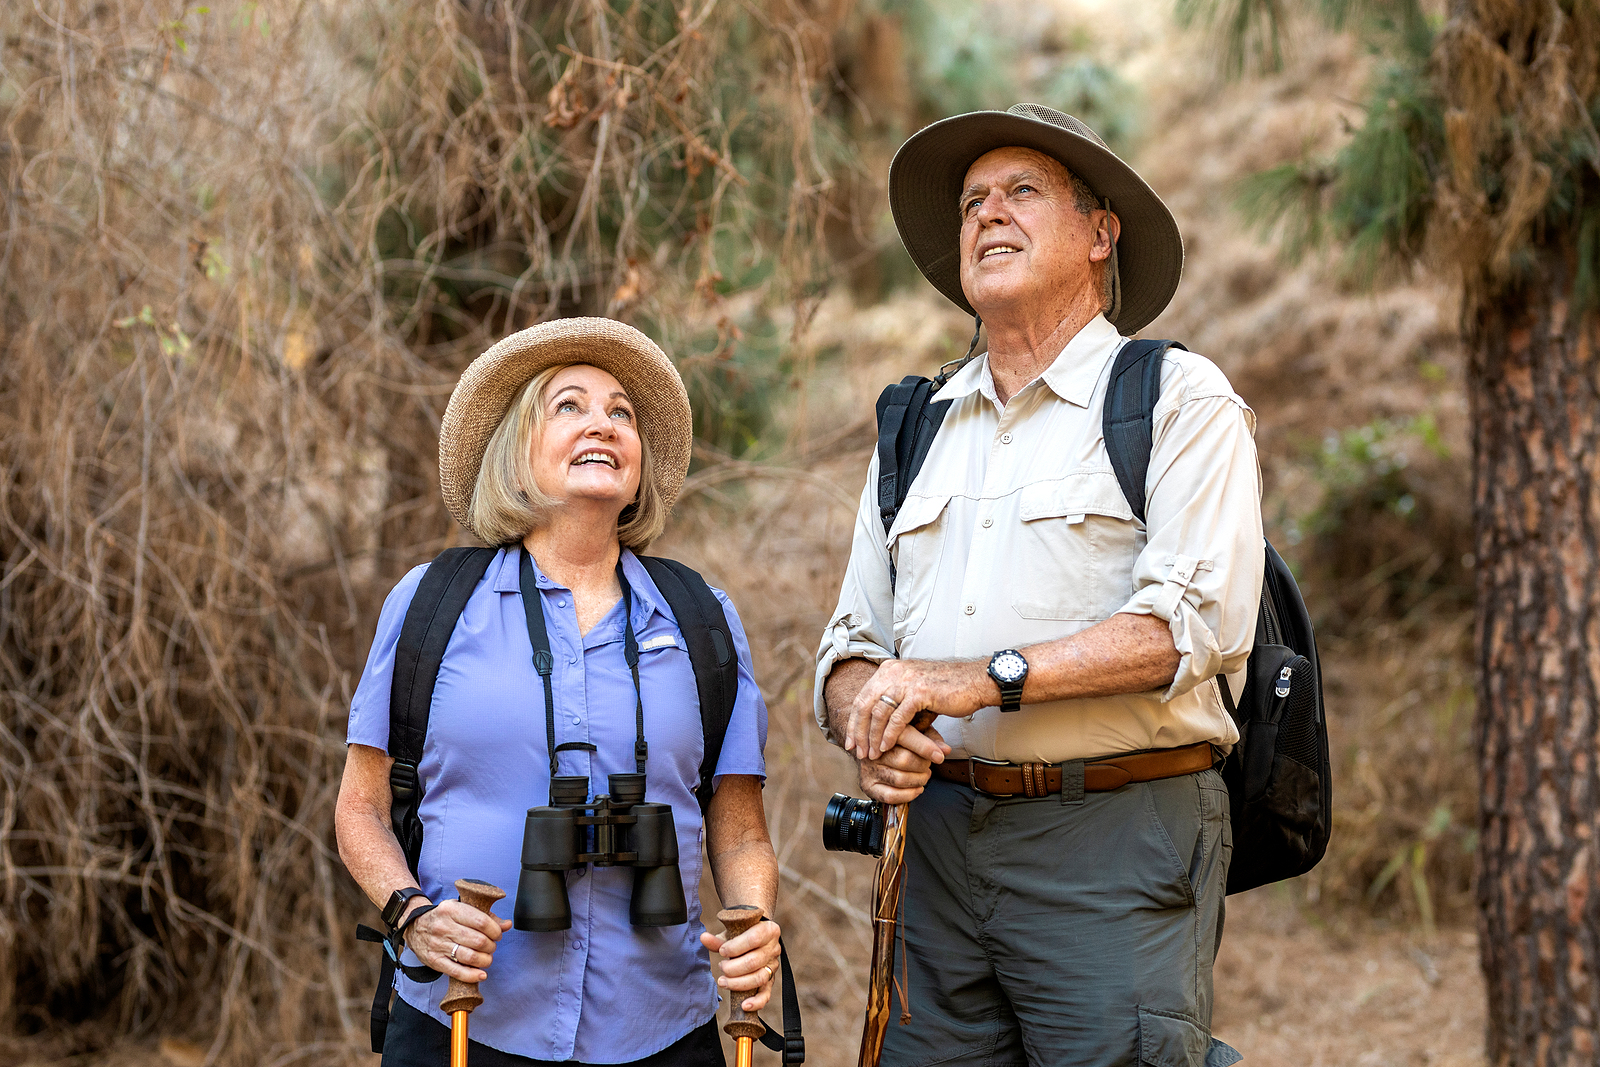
point(246, 249)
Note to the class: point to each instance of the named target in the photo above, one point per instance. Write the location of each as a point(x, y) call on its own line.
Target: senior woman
point(565, 446)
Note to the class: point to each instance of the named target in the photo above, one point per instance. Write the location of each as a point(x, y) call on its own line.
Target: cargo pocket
point(1167, 1039)
point(1080, 523)
point(916, 543)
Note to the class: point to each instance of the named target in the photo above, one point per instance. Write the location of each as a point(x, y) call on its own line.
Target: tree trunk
point(1535, 394)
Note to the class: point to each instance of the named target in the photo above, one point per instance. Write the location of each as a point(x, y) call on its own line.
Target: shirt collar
point(646, 600)
point(1073, 376)
point(1076, 371)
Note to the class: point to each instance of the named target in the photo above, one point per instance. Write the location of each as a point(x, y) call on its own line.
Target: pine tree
point(1479, 155)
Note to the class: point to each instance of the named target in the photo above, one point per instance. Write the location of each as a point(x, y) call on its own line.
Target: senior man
point(1073, 920)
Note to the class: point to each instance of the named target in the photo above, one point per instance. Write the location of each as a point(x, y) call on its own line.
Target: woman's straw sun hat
point(487, 387)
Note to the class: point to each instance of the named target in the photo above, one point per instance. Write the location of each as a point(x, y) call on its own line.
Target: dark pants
point(416, 1039)
point(1046, 933)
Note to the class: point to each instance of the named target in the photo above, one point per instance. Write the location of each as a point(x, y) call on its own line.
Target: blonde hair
point(506, 502)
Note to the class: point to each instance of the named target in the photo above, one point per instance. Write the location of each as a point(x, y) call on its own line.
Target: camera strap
point(544, 663)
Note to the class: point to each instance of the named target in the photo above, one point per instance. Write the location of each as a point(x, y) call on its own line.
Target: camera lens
point(851, 824)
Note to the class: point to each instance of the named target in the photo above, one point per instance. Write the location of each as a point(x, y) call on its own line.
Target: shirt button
point(576, 721)
point(577, 944)
point(561, 603)
point(970, 608)
point(1005, 439)
point(987, 523)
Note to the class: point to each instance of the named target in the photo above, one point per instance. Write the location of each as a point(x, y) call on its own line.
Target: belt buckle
point(972, 775)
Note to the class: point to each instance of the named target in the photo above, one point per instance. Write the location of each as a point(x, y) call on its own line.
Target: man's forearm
point(1123, 654)
point(839, 692)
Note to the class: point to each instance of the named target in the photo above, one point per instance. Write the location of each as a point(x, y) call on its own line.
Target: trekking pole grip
point(464, 996)
point(735, 921)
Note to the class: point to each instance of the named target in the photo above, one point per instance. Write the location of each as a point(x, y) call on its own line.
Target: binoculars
point(850, 824)
point(615, 830)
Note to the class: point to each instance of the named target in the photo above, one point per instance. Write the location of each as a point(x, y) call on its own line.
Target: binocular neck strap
point(544, 663)
point(630, 652)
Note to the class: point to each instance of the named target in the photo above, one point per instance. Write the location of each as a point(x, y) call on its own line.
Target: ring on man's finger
point(887, 699)
point(454, 948)
point(769, 973)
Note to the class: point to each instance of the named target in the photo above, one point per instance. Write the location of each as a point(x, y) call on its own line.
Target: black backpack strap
point(1129, 419)
point(430, 620)
point(705, 630)
point(907, 425)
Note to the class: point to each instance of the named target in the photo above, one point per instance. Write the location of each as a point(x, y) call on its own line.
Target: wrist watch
point(1009, 670)
point(396, 906)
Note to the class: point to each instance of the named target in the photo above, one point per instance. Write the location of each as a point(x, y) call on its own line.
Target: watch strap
point(396, 905)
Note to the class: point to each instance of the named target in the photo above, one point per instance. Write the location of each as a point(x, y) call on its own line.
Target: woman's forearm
point(743, 865)
point(747, 875)
point(361, 823)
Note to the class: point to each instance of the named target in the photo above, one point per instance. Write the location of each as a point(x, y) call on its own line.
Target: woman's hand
point(460, 928)
point(749, 962)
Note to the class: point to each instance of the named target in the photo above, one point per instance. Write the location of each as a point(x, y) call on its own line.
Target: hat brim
point(487, 387)
point(925, 182)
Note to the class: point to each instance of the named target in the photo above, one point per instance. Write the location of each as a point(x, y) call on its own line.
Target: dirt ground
point(1288, 992)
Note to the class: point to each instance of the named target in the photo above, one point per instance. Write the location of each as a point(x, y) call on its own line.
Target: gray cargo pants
point(1067, 934)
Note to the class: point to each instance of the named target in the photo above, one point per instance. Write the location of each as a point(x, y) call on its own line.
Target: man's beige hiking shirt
point(1016, 532)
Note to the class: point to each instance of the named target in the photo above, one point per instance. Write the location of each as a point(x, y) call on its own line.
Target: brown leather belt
point(1099, 776)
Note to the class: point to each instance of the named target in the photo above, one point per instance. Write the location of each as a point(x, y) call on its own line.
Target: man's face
point(1025, 246)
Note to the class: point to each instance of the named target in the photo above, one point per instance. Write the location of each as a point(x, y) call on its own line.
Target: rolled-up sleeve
point(369, 708)
point(862, 626)
point(1201, 567)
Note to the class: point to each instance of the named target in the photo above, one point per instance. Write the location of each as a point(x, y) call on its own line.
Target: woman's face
point(589, 449)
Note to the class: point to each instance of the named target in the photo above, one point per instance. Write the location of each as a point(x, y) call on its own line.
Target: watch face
point(1009, 667)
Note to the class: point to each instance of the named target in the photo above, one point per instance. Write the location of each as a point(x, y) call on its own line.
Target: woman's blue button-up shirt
point(603, 991)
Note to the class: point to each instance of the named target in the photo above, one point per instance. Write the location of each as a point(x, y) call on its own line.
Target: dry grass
point(244, 253)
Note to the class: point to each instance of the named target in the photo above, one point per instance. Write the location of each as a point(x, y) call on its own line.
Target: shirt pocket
point(916, 544)
point(1075, 548)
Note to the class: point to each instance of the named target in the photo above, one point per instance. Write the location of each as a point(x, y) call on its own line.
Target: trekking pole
point(742, 1026)
point(462, 997)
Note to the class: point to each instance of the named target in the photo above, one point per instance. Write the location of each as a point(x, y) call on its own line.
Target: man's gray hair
point(1085, 200)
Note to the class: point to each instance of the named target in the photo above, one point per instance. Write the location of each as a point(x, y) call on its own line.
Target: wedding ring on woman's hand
point(887, 699)
point(769, 973)
point(454, 948)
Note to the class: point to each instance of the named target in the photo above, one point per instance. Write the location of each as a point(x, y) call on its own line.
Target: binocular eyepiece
point(615, 830)
point(850, 824)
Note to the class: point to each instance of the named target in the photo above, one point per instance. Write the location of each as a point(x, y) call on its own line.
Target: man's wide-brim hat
point(926, 178)
point(487, 387)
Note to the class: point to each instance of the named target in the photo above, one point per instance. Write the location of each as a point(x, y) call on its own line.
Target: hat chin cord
point(1111, 294)
point(948, 370)
point(1113, 285)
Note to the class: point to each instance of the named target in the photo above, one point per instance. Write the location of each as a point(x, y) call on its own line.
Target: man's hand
point(900, 688)
point(900, 774)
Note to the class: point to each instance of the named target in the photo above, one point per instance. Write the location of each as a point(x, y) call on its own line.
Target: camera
point(614, 830)
point(851, 824)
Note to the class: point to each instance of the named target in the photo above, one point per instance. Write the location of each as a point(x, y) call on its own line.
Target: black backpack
point(430, 621)
point(1279, 777)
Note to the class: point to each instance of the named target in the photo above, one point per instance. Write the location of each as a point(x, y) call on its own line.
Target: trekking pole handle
point(735, 921)
point(464, 996)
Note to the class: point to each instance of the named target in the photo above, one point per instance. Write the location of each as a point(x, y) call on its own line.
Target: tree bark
point(1535, 394)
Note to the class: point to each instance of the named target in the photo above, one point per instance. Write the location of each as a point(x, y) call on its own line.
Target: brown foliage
point(1518, 80)
point(243, 255)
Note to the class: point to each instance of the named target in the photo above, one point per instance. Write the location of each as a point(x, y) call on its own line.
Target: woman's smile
point(589, 448)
